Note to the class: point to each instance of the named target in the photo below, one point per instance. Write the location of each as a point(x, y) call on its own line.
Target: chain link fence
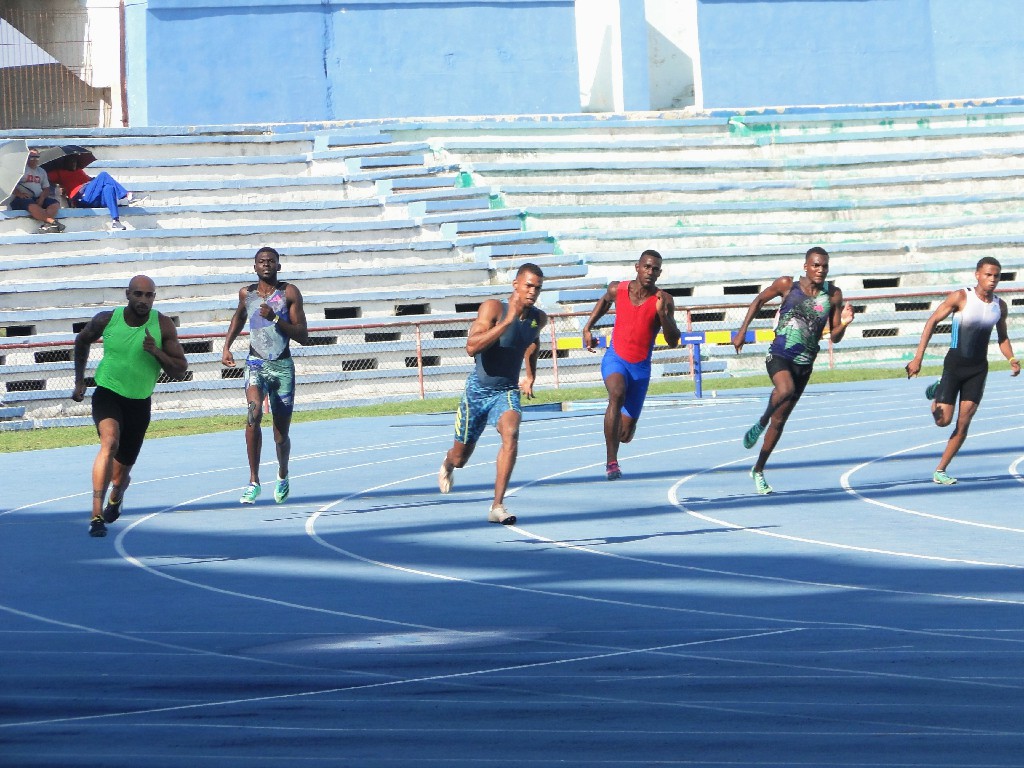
point(346, 365)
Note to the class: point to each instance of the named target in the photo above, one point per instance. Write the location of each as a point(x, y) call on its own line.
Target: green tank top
point(126, 368)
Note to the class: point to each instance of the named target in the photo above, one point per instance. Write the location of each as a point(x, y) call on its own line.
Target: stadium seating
point(427, 218)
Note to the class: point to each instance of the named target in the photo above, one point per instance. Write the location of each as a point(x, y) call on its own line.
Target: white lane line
point(402, 682)
point(146, 641)
point(844, 482)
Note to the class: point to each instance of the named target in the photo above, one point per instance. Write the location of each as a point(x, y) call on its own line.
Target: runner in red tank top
point(642, 309)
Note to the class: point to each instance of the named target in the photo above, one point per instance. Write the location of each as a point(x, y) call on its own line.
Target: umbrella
point(57, 157)
point(13, 155)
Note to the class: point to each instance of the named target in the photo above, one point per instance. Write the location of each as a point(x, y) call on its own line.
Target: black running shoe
point(112, 510)
point(96, 528)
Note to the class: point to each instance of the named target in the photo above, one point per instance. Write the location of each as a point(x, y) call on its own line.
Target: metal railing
point(364, 363)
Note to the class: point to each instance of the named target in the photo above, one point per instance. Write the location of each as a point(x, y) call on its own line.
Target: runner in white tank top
point(976, 311)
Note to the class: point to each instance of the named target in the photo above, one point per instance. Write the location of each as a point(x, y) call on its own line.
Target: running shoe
point(760, 484)
point(112, 510)
point(499, 514)
point(445, 478)
point(932, 389)
point(96, 528)
point(281, 490)
point(250, 494)
point(612, 471)
point(115, 225)
point(752, 434)
point(941, 478)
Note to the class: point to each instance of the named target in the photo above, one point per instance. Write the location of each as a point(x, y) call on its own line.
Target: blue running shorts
point(481, 406)
point(637, 376)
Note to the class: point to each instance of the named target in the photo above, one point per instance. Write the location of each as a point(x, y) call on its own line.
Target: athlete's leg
point(508, 428)
point(783, 390)
point(615, 383)
point(942, 413)
point(134, 423)
point(636, 394)
point(120, 479)
point(253, 432)
point(282, 441)
point(627, 428)
point(783, 399)
point(470, 421)
point(956, 440)
point(102, 468)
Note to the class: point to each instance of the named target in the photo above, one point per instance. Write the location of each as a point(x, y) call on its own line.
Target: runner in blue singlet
point(504, 336)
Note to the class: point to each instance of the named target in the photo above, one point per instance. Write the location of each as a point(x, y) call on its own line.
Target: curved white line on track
point(844, 482)
point(662, 649)
point(1014, 469)
point(313, 534)
point(673, 498)
point(131, 559)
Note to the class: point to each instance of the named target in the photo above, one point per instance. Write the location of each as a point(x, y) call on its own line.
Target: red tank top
point(635, 327)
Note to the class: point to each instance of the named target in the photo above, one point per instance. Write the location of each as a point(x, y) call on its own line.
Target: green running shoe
point(760, 484)
point(250, 494)
point(281, 490)
point(932, 389)
point(752, 434)
point(941, 478)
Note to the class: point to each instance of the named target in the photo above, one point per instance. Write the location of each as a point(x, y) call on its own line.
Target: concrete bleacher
point(384, 219)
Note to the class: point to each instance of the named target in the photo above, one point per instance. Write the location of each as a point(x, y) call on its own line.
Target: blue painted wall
point(781, 52)
point(235, 61)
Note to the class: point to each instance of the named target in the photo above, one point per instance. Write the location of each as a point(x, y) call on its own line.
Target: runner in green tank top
point(137, 344)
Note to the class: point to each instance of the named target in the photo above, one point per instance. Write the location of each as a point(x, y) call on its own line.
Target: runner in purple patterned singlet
point(273, 311)
point(809, 304)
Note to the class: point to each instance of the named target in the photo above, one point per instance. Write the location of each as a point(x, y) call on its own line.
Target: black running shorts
point(131, 415)
point(961, 377)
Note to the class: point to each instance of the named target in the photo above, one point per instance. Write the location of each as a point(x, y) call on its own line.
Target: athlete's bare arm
point(954, 302)
point(294, 327)
point(530, 360)
point(169, 354)
point(605, 303)
point(667, 316)
point(234, 328)
point(488, 326)
point(1004, 340)
point(779, 287)
point(86, 337)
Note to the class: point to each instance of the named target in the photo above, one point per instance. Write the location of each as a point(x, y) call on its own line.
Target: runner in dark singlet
point(809, 304)
point(976, 311)
point(504, 336)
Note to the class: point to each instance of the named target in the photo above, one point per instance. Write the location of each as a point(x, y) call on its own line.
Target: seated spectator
point(34, 194)
point(84, 191)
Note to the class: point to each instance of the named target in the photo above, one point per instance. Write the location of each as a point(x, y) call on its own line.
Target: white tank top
point(972, 327)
